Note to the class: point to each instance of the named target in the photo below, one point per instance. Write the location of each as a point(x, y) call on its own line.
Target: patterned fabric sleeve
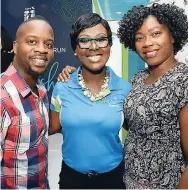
point(5, 122)
point(132, 80)
point(55, 100)
point(182, 92)
point(136, 79)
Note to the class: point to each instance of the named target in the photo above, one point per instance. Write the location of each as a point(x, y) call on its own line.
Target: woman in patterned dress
point(156, 109)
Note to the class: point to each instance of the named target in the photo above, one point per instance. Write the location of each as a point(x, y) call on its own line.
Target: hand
point(64, 76)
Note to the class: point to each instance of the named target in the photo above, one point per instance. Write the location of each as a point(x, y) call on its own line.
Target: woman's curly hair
point(169, 14)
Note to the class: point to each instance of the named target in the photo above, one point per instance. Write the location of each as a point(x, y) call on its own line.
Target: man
point(24, 108)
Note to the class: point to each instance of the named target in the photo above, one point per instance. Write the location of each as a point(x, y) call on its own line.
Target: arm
point(125, 125)
point(55, 125)
point(65, 74)
point(183, 183)
point(55, 108)
point(127, 86)
point(5, 122)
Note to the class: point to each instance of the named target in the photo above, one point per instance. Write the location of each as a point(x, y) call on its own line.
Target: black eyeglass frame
point(93, 39)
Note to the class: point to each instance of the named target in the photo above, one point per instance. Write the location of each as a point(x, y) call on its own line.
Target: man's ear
point(15, 47)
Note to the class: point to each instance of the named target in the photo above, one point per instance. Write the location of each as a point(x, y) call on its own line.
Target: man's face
point(33, 48)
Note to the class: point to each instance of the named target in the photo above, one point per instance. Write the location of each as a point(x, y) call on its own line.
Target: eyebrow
point(151, 29)
point(88, 36)
point(156, 27)
point(30, 36)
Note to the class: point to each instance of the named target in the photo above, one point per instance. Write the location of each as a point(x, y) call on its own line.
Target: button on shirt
point(90, 129)
point(24, 123)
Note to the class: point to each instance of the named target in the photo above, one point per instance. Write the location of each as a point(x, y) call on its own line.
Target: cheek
point(107, 51)
point(168, 48)
point(81, 57)
point(166, 41)
point(51, 54)
point(80, 52)
point(138, 48)
point(23, 50)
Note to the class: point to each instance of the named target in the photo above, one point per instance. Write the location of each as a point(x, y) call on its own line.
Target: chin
point(37, 73)
point(97, 66)
point(152, 63)
point(95, 70)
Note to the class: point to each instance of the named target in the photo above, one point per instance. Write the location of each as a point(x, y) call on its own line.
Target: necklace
point(97, 95)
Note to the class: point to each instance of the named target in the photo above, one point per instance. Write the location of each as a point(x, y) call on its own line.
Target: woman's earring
point(75, 54)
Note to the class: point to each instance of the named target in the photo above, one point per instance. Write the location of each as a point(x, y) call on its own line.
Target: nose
point(93, 45)
point(41, 48)
point(147, 42)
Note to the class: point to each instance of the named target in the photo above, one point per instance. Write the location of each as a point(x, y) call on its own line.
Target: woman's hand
point(64, 76)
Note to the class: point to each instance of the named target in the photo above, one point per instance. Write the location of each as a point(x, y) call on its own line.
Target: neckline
point(161, 77)
point(104, 91)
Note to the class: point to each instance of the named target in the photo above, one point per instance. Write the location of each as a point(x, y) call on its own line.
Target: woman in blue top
point(89, 111)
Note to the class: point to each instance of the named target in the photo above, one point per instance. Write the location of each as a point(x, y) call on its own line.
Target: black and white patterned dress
point(153, 153)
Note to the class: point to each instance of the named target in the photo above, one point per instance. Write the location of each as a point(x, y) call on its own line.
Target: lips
point(39, 61)
point(94, 58)
point(150, 54)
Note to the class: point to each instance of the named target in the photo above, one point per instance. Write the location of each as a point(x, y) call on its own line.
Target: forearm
point(52, 131)
point(125, 125)
point(55, 126)
point(183, 183)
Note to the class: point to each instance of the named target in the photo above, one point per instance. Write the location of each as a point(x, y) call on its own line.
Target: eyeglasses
point(85, 43)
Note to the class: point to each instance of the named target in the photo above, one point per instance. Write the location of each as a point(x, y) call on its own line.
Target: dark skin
point(93, 62)
point(65, 74)
point(56, 125)
point(33, 49)
point(93, 69)
point(154, 44)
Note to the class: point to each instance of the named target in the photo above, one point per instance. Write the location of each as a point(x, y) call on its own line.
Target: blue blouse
point(90, 129)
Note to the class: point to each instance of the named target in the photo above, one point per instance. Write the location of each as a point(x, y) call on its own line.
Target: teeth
point(152, 53)
point(94, 58)
point(39, 62)
point(39, 59)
